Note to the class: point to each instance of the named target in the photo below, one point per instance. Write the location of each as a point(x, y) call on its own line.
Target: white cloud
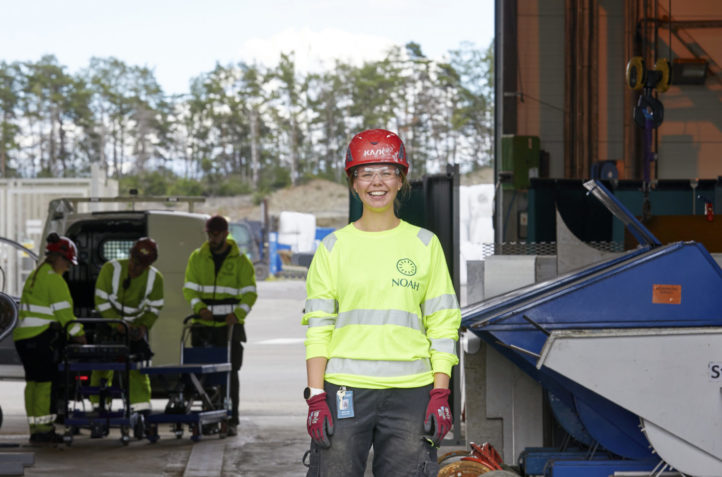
point(315, 49)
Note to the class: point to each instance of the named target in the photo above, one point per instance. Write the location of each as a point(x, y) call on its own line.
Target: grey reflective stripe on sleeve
point(194, 302)
point(192, 286)
point(425, 236)
point(104, 306)
point(74, 330)
point(384, 369)
point(45, 310)
point(329, 241)
point(61, 305)
point(444, 345)
point(101, 293)
point(321, 304)
point(442, 302)
point(32, 321)
point(115, 281)
point(245, 307)
point(247, 289)
point(125, 308)
point(152, 272)
point(379, 317)
point(325, 321)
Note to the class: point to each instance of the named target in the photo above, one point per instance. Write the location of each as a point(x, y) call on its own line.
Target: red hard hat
point(144, 251)
point(217, 223)
point(63, 246)
point(376, 146)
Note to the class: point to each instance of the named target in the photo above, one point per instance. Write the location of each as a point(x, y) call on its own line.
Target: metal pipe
point(674, 25)
point(536, 325)
point(521, 350)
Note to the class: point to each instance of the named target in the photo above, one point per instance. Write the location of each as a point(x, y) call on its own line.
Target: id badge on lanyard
point(344, 403)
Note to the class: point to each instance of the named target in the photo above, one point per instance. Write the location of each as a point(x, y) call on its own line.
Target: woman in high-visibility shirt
point(383, 322)
point(45, 308)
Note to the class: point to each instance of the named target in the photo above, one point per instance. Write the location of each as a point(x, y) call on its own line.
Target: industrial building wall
point(541, 79)
point(611, 68)
point(689, 139)
point(23, 209)
point(540, 82)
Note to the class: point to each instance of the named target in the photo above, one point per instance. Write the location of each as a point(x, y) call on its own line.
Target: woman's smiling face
point(377, 185)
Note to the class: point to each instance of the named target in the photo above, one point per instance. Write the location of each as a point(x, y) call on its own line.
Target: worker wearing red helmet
point(220, 287)
point(131, 290)
point(46, 308)
point(383, 322)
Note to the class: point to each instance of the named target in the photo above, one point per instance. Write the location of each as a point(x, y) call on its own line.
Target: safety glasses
point(369, 174)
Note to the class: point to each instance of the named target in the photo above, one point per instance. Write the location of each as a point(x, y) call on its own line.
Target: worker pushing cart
point(220, 286)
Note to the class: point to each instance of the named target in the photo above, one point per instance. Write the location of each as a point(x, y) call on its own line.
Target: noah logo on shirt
point(405, 283)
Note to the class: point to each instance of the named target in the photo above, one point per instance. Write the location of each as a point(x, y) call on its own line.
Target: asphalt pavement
point(272, 436)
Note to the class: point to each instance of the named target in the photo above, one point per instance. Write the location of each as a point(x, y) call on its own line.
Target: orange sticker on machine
point(667, 294)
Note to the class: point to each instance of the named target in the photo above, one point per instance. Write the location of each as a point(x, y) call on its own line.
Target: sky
point(181, 39)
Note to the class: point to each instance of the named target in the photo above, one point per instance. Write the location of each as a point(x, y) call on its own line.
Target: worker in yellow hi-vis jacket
point(383, 322)
point(131, 290)
point(46, 309)
point(220, 286)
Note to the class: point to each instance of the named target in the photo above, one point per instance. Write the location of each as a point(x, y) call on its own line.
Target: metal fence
point(23, 210)
point(540, 248)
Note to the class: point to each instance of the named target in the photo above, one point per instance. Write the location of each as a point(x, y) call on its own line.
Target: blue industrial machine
point(629, 351)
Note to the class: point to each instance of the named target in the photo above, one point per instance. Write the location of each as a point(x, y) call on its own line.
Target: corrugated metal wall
point(568, 83)
point(23, 209)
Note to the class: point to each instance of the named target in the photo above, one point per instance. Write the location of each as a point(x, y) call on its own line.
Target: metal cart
point(201, 400)
point(78, 361)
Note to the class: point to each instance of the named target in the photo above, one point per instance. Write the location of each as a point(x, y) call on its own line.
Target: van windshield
point(242, 235)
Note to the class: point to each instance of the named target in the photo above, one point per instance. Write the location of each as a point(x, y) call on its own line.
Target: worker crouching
point(131, 290)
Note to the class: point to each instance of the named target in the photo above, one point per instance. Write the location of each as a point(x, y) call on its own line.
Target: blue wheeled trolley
point(201, 400)
point(78, 361)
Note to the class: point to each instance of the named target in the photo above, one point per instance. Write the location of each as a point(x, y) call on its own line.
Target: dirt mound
point(327, 200)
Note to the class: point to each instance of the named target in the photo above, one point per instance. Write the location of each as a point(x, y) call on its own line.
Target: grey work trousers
point(390, 420)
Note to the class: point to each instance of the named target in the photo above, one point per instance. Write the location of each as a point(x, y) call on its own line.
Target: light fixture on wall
point(689, 71)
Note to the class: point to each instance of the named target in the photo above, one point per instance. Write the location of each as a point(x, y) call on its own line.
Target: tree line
point(241, 128)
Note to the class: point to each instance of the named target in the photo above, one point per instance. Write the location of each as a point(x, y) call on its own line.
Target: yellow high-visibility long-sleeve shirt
point(235, 282)
point(137, 301)
point(45, 300)
point(381, 308)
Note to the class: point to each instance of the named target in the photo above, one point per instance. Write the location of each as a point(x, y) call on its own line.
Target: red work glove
point(320, 422)
point(438, 415)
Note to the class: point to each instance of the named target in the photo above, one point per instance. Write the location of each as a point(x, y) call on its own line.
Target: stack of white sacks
point(476, 226)
point(297, 230)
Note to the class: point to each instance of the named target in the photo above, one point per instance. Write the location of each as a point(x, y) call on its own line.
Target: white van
point(104, 235)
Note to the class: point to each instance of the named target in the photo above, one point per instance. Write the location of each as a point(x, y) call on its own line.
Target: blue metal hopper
point(652, 287)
